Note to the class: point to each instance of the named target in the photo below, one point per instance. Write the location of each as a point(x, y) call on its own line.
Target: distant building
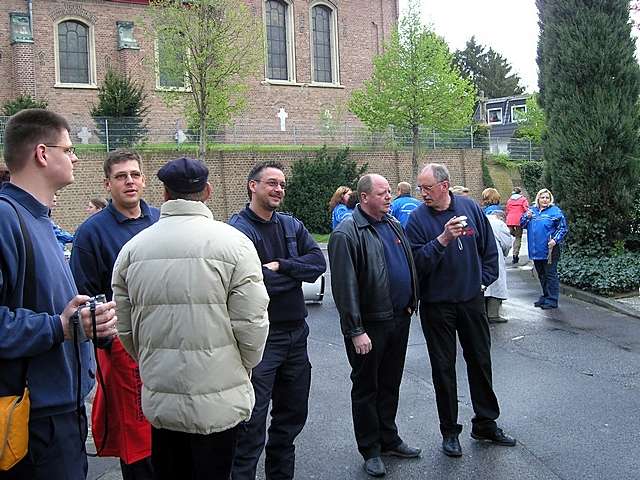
point(501, 115)
point(316, 53)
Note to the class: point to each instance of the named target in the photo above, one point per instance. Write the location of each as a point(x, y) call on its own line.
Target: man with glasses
point(39, 345)
point(289, 256)
point(119, 426)
point(456, 258)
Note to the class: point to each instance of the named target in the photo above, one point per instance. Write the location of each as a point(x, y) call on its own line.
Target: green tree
point(489, 71)
point(217, 46)
point(533, 125)
point(590, 83)
point(121, 111)
point(312, 183)
point(22, 102)
point(414, 85)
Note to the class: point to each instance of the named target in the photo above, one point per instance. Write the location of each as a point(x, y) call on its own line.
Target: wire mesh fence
point(111, 133)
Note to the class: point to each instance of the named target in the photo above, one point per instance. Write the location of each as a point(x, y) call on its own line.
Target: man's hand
point(105, 318)
point(551, 243)
point(362, 344)
point(273, 266)
point(452, 230)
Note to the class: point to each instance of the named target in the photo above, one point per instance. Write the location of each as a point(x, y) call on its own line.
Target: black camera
point(91, 304)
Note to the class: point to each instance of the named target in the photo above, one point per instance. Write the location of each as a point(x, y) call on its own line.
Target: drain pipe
point(30, 9)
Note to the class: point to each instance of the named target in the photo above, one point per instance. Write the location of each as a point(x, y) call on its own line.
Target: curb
point(600, 301)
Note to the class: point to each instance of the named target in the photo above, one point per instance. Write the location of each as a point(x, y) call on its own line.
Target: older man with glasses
point(456, 257)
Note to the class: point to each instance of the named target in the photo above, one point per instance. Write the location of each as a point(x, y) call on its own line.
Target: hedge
point(605, 275)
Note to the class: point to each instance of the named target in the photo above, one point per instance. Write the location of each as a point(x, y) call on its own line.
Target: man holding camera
point(456, 258)
point(39, 345)
point(193, 312)
point(120, 428)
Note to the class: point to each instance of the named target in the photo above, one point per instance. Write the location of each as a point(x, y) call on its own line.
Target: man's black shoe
point(515, 260)
point(451, 446)
point(374, 467)
point(403, 451)
point(498, 437)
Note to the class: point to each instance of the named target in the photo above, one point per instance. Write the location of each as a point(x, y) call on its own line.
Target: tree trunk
point(202, 146)
point(415, 143)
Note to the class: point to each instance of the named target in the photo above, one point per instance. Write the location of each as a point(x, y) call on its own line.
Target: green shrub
point(121, 110)
point(604, 275)
point(313, 181)
point(531, 174)
point(21, 103)
point(487, 181)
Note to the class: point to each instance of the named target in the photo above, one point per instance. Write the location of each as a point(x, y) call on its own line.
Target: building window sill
point(84, 86)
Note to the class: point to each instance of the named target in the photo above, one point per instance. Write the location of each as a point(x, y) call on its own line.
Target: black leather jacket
point(359, 279)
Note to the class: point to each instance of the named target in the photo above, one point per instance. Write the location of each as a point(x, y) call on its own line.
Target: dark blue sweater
point(37, 335)
point(456, 272)
point(286, 300)
point(400, 285)
point(97, 243)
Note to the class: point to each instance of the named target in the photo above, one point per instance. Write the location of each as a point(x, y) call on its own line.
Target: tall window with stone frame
point(74, 44)
point(324, 43)
point(279, 31)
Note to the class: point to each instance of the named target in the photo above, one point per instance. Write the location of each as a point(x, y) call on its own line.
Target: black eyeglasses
point(273, 183)
point(68, 150)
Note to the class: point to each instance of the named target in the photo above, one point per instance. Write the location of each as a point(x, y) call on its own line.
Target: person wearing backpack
point(43, 327)
point(289, 256)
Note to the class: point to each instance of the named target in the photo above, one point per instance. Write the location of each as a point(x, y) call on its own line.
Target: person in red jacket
point(516, 206)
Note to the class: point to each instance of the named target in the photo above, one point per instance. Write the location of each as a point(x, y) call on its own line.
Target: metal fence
point(111, 133)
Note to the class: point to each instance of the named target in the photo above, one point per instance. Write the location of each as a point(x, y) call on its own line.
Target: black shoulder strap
point(290, 232)
point(28, 288)
point(28, 297)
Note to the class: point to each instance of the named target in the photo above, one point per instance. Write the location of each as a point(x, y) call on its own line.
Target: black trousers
point(376, 379)
point(283, 377)
point(140, 470)
point(56, 450)
point(191, 456)
point(440, 322)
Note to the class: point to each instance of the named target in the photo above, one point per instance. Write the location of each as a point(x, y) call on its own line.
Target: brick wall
point(228, 172)
point(362, 25)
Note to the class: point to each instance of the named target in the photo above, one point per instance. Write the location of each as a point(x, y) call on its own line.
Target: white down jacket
point(192, 310)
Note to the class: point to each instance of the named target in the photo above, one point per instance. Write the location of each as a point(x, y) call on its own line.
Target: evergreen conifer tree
point(589, 89)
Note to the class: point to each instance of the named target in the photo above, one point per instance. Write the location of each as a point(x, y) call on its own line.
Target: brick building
point(316, 53)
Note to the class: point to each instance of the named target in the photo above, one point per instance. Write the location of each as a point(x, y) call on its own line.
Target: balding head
point(374, 195)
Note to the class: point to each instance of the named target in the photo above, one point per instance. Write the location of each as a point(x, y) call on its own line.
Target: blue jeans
point(283, 377)
point(548, 277)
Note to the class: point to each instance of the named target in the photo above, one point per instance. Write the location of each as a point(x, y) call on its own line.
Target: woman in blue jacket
point(546, 228)
point(338, 205)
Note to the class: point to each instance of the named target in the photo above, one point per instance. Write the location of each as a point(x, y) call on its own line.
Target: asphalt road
point(567, 381)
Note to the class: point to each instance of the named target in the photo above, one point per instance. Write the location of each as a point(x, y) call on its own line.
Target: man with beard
point(374, 285)
point(120, 428)
point(289, 256)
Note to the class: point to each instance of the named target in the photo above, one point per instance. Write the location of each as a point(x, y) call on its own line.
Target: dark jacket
point(302, 261)
point(36, 333)
point(359, 279)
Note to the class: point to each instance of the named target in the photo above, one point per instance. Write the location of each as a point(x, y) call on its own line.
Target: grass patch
point(321, 237)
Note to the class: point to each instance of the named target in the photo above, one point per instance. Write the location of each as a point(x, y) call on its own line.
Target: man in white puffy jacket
point(192, 310)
